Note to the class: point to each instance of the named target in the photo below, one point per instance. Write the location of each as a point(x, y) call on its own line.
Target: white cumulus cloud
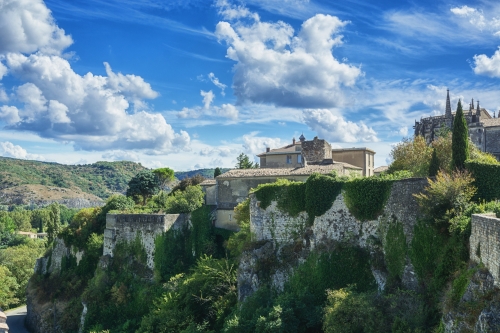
point(208, 97)
point(228, 111)
point(335, 128)
point(275, 65)
point(254, 144)
point(489, 66)
point(27, 26)
point(8, 149)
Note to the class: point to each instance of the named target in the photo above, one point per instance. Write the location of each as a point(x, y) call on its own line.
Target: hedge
point(487, 179)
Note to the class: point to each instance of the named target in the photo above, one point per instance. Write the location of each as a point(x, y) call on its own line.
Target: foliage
point(366, 197)
point(321, 192)
point(101, 179)
point(434, 165)
point(177, 250)
point(447, 196)
point(299, 308)
point(486, 179)
point(185, 201)
point(53, 222)
point(460, 283)
point(20, 261)
point(202, 298)
point(290, 195)
point(348, 311)
point(243, 162)
point(395, 250)
point(217, 172)
point(142, 186)
point(205, 173)
point(8, 288)
point(186, 182)
point(164, 176)
point(442, 146)
point(459, 140)
point(238, 242)
point(412, 154)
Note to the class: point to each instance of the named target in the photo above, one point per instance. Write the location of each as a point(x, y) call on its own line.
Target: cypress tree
point(217, 172)
point(459, 140)
point(434, 166)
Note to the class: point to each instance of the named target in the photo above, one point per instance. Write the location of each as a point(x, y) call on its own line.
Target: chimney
point(293, 141)
point(268, 150)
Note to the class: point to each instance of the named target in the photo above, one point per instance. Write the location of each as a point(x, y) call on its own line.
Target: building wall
point(280, 161)
point(210, 195)
point(360, 158)
point(316, 150)
point(485, 243)
point(126, 227)
point(492, 141)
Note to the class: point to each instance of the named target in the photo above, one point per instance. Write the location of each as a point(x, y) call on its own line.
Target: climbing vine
point(366, 197)
point(395, 250)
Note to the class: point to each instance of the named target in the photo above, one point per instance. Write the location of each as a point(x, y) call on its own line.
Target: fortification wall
point(338, 223)
point(126, 227)
point(485, 243)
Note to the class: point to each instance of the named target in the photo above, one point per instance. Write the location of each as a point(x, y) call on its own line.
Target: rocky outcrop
point(42, 317)
point(478, 309)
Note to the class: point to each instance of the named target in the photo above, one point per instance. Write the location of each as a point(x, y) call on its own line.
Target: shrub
point(321, 192)
point(486, 179)
point(412, 154)
point(395, 250)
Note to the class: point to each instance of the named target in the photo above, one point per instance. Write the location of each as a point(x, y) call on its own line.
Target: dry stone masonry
point(485, 243)
point(126, 227)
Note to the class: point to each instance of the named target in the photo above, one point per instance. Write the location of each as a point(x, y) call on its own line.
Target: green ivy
point(321, 192)
point(486, 179)
point(395, 250)
point(289, 195)
point(366, 197)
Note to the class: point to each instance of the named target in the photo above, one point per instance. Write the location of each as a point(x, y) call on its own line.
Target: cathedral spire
point(448, 104)
point(478, 110)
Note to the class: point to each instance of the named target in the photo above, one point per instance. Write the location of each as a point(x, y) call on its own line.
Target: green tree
point(217, 172)
point(142, 186)
point(54, 222)
point(413, 155)
point(243, 162)
point(460, 140)
point(8, 288)
point(434, 166)
point(185, 201)
point(165, 176)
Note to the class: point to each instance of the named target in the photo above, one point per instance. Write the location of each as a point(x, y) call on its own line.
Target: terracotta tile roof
point(491, 122)
point(305, 171)
point(291, 148)
point(208, 182)
point(381, 168)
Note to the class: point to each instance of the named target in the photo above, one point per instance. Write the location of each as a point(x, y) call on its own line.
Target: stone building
point(484, 130)
point(3, 323)
point(316, 152)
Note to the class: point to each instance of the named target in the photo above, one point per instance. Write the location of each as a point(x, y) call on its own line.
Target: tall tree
point(460, 140)
point(53, 222)
point(143, 185)
point(217, 172)
point(434, 166)
point(165, 176)
point(243, 162)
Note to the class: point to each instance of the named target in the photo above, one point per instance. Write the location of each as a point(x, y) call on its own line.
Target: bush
point(412, 154)
point(486, 179)
point(395, 250)
point(321, 192)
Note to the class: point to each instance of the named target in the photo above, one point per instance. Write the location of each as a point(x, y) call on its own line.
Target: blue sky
point(193, 83)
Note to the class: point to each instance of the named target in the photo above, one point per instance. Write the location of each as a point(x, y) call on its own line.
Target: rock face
point(277, 228)
point(42, 317)
point(479, 308)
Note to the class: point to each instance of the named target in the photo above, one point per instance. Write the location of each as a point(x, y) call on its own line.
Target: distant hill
point(100, 179)
point(207, 173)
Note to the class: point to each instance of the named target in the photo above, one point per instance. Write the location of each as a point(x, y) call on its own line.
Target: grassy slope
point(101, 178)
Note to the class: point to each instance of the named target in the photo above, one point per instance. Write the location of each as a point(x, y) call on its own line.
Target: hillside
point(207, 173)
point(100, 179)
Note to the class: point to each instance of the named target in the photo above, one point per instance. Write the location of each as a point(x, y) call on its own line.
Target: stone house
point(484, 130)
point(317, 151)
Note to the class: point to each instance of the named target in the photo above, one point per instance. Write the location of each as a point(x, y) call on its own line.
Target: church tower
point(448, 104)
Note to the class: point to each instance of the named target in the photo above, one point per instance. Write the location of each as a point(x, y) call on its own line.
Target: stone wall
point(126, 227)
point(316, 150)
point(492, 141)
point(276, 229)
point(485, 243)
point(59, 251)
point(338, 223)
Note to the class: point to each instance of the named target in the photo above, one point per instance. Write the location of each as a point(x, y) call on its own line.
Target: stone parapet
point(485, 243)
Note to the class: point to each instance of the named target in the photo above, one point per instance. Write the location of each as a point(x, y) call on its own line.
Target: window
point(288, 159)
point(299, 159)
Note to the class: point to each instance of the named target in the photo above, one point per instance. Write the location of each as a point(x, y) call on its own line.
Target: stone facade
point(337, 224)
point(316, 151)
point(126, 227)
point(484, 130)
point(4, 328)
point(485, 243)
